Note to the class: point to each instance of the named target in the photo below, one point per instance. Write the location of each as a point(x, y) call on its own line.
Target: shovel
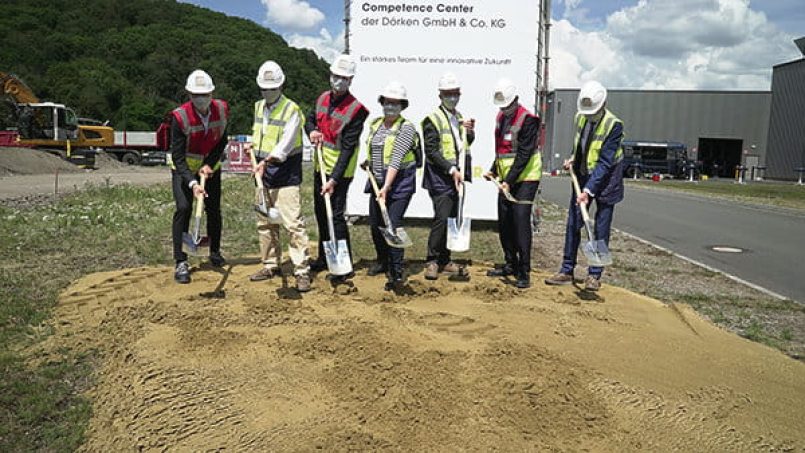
point(395, 238)
point(262, 206)
point(193, 239)
point(336, 252)
point(458, 228)
point(508, 195)
point(597, 252)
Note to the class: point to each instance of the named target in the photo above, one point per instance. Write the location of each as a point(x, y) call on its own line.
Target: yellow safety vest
point(267, 131)
point(409, 159)
point(450, 149)
point(600, 135)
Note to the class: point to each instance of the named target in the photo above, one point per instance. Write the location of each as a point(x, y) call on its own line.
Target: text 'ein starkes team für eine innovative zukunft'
point(425, 15)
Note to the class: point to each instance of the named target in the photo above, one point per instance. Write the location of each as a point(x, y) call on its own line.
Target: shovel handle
point(583, 207)
point(257, 179)
point(382, 203)
point(200, 198)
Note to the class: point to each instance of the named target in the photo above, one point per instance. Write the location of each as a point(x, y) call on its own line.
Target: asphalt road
point(772, 239)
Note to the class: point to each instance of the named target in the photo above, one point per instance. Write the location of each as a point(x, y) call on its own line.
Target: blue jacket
point(606, 179)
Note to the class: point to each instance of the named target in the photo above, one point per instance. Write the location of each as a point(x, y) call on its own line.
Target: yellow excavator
point(52, 127)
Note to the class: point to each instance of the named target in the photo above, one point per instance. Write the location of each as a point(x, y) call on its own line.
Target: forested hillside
point(126, 61)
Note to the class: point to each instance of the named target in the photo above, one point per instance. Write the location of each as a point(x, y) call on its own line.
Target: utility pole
point(543, 60)
point(347, 20)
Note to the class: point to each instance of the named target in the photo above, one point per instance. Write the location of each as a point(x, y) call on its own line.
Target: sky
point(634, 44)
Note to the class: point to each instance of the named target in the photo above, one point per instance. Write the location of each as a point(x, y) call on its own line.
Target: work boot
point(340, 279)
point(265, 273)
point(376, 269)
point(431, 270)
point(303, 283)
point(504, 271)
point(592, 283)
point(453, 269)
point(559, 279)
point(523, 282)
point(318, 265)
point(182, 272)
point(395, 281)
point(217, 260)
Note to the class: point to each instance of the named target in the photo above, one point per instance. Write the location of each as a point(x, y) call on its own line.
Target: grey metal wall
point(680, 116)
point(787, 122)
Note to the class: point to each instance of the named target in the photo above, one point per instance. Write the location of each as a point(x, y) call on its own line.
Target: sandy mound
point(26, 161)
point(105, 161)
point(228, 364)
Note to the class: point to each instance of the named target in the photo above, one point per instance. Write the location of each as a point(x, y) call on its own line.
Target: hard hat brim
point(589, 110)
point(404, 102)
point(194, 90)
point(505, 102)
point(270, 85)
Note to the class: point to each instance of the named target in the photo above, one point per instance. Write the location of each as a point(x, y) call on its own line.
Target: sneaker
point(265, 273)
point(523, 283)
point(431, 270)
point(318, 266)
point(376, 269)
point(559, 279)
point(592, 283)
point(217, 260)
point(453, 268)
point(504, 271)
point(303, 283)
point(182, 272)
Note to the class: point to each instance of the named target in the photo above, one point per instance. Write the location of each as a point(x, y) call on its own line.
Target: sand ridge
point(476, 365)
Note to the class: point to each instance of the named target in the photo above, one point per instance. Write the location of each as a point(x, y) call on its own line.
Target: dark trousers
point(338, 200)
point(603, 224)
point(183, 196)
point(514, 228)
point(392, 257)
point(444, 206)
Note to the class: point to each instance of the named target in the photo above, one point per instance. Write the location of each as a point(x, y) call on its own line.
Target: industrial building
point(761, 130)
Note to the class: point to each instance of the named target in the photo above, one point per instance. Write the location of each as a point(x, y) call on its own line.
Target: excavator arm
point(17, 89)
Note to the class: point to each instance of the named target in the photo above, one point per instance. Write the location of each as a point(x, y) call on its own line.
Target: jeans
point(392, 257)
point(575, 223)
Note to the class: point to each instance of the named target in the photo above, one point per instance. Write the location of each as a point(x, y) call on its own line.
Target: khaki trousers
point(287, 200)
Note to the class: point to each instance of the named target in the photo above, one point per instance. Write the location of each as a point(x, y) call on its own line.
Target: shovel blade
point(337, 256)
point(597, 253)
point(195, 246)
point(458, 236)
point(261, 209)
point(397, 238)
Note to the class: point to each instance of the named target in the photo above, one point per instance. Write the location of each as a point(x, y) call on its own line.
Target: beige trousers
point(288, 202)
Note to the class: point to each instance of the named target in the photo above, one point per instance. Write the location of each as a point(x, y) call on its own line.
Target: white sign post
point(415, 42)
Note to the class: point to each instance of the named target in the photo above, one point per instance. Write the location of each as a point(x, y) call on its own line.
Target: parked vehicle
point(666, 158)
point(140, 147)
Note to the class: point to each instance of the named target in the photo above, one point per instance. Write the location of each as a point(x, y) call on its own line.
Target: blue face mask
point(450, 102)
point(339, 84)
point(271, 95)
point(201, 102)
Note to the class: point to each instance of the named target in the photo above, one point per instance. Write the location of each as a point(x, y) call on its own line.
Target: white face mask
point(271, 96)
point(450, 102)
point(201, 102)
point(390, 109)
point(339, 84)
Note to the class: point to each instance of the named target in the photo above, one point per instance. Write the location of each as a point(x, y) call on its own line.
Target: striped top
point(402, 145)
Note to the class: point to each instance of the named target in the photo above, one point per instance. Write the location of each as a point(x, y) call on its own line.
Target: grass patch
point(786, 195)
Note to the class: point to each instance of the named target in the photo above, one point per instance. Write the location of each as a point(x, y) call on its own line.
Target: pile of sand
point(27, 161)
point(224, 363)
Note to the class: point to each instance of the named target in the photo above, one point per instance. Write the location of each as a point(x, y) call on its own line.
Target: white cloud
point(325, 45)
point(685, 44)
point(297, 14)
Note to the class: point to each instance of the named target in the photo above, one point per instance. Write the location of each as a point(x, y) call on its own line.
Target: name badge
point(507, 137)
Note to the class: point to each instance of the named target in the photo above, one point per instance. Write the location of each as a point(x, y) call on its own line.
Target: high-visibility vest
point(409, 160)
point(267, 130)
point(331, 125)
point(600, 135)
point(506, 143)
point(200, 143)
point(441, 122)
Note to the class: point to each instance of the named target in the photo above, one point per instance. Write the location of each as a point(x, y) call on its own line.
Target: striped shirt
point(402, 145)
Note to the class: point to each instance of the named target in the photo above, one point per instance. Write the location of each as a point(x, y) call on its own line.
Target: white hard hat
point(343, 66)
point(449, 81)
point(505, 92)
point(394, 90)
point(270, 75)
point(591, 98)
point(199, 82)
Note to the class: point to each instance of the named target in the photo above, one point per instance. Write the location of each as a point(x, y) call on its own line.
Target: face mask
point(392, 109)
point(201, 102)
point(339, 84)
point(271, 96)
point(509, 110)
point(450, 102)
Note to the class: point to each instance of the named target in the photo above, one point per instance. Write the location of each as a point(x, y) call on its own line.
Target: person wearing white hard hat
point(442, 133)
point(277, 144)
point(597, 160)
point(335, 126)
point(198, 139)
point(394, 152)
point(518, 166)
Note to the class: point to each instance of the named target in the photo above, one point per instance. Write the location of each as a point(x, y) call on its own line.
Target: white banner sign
point(414, 42)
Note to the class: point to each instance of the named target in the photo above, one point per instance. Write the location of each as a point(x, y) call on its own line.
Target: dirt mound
point(224, 363)
point(105, 161)
point(26, 161)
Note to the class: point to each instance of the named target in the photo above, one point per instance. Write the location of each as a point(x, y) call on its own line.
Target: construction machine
point(52, 127)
